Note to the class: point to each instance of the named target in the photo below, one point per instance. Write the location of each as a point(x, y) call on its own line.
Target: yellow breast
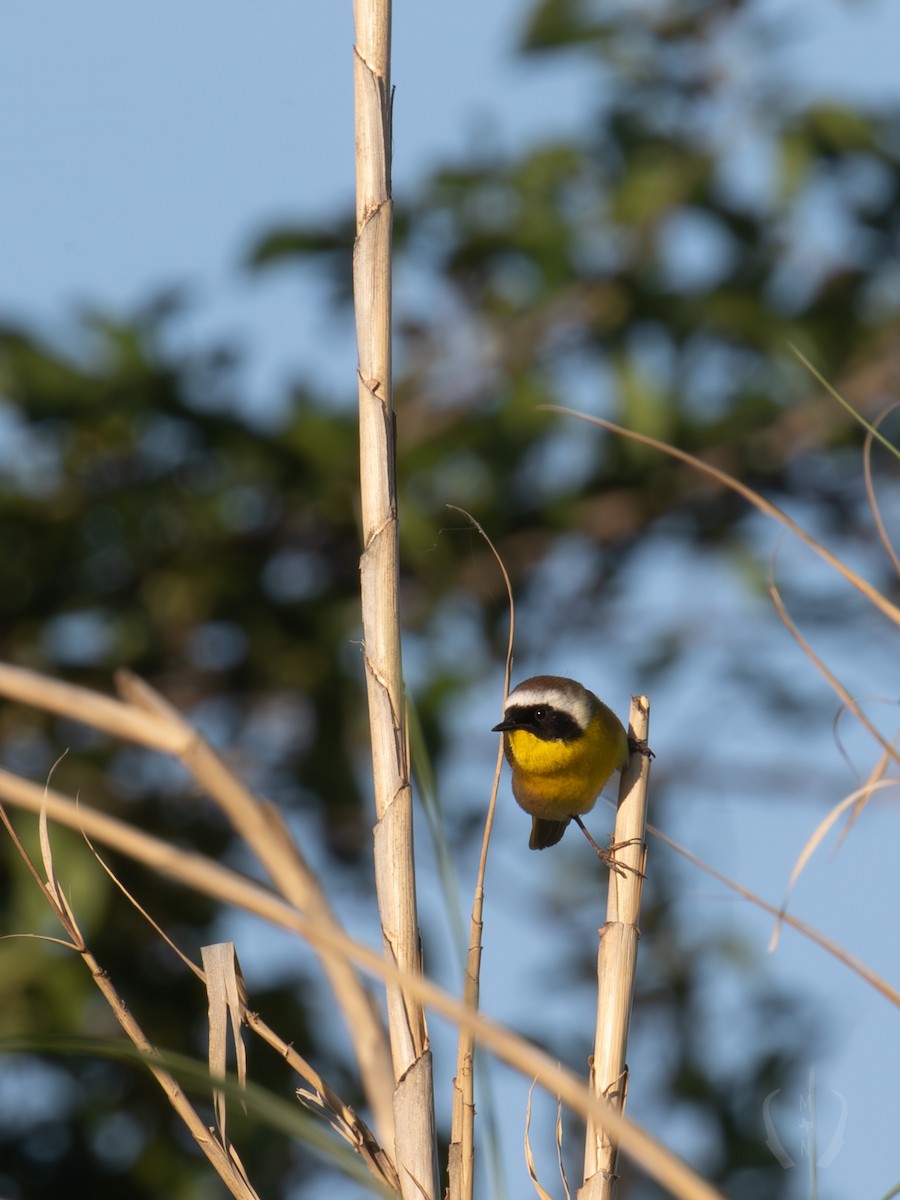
point(554, 779)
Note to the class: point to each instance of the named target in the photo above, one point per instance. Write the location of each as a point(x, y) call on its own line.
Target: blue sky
point(143, 147)
point(142, 150)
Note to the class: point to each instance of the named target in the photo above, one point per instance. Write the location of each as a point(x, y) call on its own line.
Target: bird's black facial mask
point(549, 724)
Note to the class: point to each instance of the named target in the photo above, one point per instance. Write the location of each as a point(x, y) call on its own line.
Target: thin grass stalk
point(872, 594)
point(220, 1156)
point(341, 1116)
point(461, 1159)
point(415, 1141)
point(881, 985)
point(343, 1119)
point(870, 490)
point(461, 1155)
point(617, 962)
point(263, 829)
point(144, 717)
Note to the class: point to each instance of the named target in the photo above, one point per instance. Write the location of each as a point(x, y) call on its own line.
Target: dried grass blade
point(870, 489)
point(881, 602)
point(529, 1156)
point(829, 676)
point(826, 943)
point(89, 708)
point(226, 998)
point(559, 1151)
point(815, 840)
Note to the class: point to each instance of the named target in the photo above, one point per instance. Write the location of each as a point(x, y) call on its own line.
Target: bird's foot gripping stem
point(608, 855)
point(639, 746)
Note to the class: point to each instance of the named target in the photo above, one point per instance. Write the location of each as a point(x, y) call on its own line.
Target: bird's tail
point(546, 833)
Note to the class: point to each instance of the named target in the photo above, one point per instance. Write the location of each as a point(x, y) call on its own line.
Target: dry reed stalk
point(617, 961)
point(415, 1141)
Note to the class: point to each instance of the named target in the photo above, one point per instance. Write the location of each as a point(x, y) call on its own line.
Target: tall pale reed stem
point(616, 962)
point(415, 1152)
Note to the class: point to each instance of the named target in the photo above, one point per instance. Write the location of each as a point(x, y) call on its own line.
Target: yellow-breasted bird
point(562, 743)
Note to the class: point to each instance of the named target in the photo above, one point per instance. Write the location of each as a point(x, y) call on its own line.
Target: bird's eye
point(540, 713)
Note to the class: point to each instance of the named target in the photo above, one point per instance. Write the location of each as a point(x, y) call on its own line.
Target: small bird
point(562, 744)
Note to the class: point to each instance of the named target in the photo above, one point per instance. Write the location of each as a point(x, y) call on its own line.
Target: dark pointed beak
point(504, 725)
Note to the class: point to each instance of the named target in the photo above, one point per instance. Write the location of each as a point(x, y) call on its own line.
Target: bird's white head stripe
point(574, 700)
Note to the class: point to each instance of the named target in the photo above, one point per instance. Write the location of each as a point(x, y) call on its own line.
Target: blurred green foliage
point(656, 262)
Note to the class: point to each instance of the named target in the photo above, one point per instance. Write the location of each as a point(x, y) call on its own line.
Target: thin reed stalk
point(415, 1146)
